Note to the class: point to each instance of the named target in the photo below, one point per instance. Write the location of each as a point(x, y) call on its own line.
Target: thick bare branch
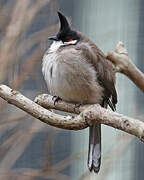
point(96, 114)
point(124, 65)
point(48, 117)
point(90, 114)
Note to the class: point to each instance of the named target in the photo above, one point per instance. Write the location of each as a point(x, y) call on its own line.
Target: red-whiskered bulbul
point(77, 71)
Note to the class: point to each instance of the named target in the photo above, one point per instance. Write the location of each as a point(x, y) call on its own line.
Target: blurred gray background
point(32, 150)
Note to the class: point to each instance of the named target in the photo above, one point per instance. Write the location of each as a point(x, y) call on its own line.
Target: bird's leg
point(53, 97)
point(56, 99)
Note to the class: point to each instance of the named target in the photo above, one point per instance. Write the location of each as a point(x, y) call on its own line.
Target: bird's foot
point(56, 99)
point(77, 106)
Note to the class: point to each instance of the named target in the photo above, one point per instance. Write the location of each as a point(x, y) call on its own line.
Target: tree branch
point(48, 117)
point(95, 114)
point(89, 114)
point(123, 64)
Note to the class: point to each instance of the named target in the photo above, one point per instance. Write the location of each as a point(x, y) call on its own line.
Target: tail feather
point(94, 154)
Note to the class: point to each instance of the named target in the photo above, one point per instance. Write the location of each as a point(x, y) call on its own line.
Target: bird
point(77, 71)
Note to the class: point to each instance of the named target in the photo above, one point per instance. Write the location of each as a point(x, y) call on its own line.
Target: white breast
point(49, 66)
point(55, 46)
point(70, 77)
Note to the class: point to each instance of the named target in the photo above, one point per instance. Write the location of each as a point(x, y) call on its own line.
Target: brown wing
point(104, 69)
point(106, 77)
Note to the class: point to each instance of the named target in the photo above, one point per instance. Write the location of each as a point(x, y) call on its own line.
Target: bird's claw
point(77, 106)
point(56, 99)
point(53, 98)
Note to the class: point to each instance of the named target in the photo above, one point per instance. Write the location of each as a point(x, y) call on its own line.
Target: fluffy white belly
point(71, 80)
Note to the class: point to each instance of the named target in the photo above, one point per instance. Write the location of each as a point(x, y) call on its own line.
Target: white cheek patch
point(70, 42)
point(55, 46)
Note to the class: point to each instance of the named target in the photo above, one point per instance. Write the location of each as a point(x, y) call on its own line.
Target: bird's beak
point(53, 38)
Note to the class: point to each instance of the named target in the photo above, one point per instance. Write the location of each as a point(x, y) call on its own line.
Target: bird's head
point(66, 35)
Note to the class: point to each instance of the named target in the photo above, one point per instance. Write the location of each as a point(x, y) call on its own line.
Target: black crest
point(64, 25)
point(65, 32)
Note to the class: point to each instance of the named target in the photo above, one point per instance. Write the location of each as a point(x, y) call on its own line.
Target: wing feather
point(104, 69)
